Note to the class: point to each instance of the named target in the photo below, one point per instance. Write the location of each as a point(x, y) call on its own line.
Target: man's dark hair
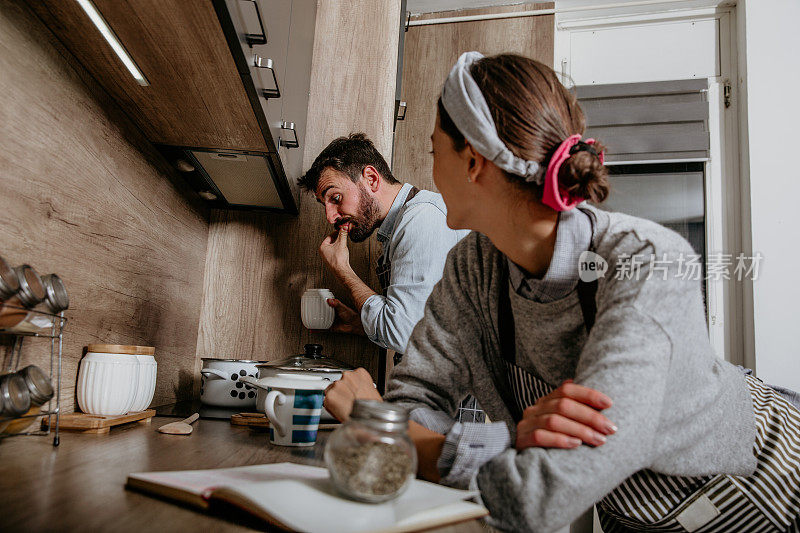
point(349, 155)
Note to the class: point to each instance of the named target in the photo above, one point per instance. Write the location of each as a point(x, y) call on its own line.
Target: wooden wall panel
point(84, 195)
point(259, 265)
point(430, 52)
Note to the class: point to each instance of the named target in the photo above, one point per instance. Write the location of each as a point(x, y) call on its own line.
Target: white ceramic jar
point(107, 383)
point(315, 311)
point(116, 379)
point(148, 368)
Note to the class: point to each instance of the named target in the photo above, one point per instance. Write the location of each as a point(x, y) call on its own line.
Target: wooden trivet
point(99, 424)
point(260, 421)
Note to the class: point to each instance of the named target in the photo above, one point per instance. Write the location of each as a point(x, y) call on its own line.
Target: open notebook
point(283, 494)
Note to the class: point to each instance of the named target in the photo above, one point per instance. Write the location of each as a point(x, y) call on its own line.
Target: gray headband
point(467, 108)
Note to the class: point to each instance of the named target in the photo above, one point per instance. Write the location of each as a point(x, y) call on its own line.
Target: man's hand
point(564, 418)
point(354, 385)
point(347, 320)
point(335, 253)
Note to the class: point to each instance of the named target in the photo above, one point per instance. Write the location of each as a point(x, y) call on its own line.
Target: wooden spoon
point(179, 428)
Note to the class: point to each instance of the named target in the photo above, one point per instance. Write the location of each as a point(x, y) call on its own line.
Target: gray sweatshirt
point(680, 410)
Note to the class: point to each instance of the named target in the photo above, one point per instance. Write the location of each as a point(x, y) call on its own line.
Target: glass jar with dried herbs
point(371, 458)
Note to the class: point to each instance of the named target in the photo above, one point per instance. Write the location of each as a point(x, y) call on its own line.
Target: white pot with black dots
point(220, 385)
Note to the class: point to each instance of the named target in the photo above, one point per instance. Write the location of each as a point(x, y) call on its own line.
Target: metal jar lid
point(14, 395)
point(56, 298)
point(9, 284)
point(39, 386)
point(31, 291)
point(383, 415)
point(311, 361)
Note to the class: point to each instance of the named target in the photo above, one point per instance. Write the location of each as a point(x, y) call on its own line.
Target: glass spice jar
point(20, 289)
point(31, 293)
point(9, 284)
point(55, 300)
point(40, 391)
point(9, 302)
point(14, 396)
point(370, 457)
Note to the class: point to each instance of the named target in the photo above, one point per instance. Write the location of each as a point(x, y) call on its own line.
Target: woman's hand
point(357, 385)
point(564, 418)
point(354, 385)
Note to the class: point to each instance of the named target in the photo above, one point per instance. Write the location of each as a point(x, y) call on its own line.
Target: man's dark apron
point(469, 410)
point(768, 500)
point(384, 267)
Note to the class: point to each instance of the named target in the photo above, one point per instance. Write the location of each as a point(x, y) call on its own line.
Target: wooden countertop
point(80, 484)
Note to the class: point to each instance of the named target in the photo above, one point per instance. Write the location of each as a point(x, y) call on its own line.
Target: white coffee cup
point(293, 407)
point(315, 311)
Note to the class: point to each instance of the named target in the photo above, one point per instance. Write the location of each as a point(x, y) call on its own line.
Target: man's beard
point(368, 218)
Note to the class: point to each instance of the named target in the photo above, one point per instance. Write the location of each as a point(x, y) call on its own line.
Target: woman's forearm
point(429, 448)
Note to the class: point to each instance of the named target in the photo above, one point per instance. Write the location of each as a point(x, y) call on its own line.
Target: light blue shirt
point(416, 240)
point(573, 237)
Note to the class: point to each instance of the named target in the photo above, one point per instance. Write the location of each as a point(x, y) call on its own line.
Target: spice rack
point(12, 365)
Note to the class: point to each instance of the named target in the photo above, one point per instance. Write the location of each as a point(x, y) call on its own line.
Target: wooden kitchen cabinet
point(288, 26)
point(205, 102)
point(298, 80)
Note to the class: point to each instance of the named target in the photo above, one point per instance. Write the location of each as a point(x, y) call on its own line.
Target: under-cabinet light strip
point(106, 31)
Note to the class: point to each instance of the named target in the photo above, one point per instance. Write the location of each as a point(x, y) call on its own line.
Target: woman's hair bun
point(584, 175)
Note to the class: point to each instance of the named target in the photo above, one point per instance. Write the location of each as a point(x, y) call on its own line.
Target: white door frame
point(725, 227)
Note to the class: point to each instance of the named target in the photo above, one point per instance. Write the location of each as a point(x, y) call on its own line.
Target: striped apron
point(766, 501)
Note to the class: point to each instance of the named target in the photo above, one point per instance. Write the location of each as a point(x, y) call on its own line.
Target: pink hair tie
point(554, 196)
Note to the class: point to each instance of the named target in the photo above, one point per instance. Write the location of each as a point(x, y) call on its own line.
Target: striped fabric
point(768, 500)
point(526, 387)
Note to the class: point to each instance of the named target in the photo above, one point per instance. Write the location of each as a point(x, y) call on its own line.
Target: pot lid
point(231, 360)
point(311, 361)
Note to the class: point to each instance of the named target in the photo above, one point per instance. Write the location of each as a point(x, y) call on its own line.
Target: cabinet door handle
point(401, 110)
point(261, 62)
point(288, 143)
point(256, 38)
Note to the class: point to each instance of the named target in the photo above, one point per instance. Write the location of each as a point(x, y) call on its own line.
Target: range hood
point(231, 179)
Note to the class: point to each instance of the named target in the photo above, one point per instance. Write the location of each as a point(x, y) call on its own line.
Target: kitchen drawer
point(298, 77)
point(262, 28)
point(287, 26)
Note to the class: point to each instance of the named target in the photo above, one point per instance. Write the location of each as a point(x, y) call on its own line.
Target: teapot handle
point(252, 381)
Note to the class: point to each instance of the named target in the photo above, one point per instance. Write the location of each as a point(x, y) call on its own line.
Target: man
point(352, 181)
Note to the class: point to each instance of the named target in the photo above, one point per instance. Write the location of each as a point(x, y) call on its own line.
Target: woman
point(698, 446)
